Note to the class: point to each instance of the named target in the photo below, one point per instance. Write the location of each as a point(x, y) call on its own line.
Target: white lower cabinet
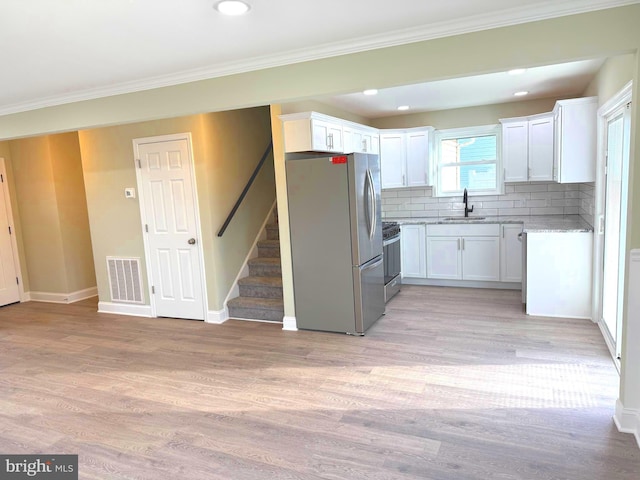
point(444, 258)
point(463, 252)
point(481, 258)
point(559, 274)
point(511, 253)
point(413, 250)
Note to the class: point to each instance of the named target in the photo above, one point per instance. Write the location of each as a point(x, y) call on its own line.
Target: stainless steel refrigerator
point(336, 241)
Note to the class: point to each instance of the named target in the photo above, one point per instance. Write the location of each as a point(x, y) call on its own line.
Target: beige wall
point(53, 217)
point(615, 73)
point(71, 202)
point(467, 117)
point(226, 148)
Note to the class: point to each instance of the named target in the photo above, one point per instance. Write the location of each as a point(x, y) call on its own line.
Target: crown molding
point(507, 17)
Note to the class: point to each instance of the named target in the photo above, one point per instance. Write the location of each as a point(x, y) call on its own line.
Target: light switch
point(129, 193)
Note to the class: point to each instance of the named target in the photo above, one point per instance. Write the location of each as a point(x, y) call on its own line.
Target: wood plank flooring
point(451, 384)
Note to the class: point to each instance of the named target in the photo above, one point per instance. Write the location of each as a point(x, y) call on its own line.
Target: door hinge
point(153, 289)
point(17, 281)
point(9, 229)
point(1, 178)
point(139, 163)
point(146, 228)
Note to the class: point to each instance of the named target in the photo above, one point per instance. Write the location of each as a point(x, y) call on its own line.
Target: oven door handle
point(389, 241)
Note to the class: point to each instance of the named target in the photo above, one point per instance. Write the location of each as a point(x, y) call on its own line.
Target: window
point(468, 158)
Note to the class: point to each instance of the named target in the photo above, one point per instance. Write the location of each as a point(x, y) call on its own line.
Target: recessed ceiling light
point(517, 71)
point(403, 107)
point(520, 94)
point(371, 91)
point(232, 7)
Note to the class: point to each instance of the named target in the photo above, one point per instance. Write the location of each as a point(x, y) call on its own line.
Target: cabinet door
point(375, 144)
point(412, 240)
point(349, 140)
point(366, 142)
point(541, 149)
point(515, 150)
point(392, 154)
point(417, 158)
point(511, 254)
point(326, 136)
point(481, 258)
point(577, 141)
point(444, 259)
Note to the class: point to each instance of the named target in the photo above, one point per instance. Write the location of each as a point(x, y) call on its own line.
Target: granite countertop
point(531, 223)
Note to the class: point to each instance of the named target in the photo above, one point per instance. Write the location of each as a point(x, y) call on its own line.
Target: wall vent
point(125, 280)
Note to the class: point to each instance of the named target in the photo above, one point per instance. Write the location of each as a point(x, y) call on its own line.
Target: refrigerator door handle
point(373, 265)
point(372, 205)
point(367, 195)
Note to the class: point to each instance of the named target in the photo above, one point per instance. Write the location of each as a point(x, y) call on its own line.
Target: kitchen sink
point(462, 219)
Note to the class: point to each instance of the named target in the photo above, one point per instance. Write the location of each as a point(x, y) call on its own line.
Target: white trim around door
point(14, 243)
point(190, 255)
point(619, 101)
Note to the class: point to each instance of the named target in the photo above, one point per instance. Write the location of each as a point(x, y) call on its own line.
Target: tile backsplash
point(535, 198)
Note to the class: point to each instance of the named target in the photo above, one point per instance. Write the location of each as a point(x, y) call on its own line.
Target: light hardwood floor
point(451, 384)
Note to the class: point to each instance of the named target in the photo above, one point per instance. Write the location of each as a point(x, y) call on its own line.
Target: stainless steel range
point(391, 255)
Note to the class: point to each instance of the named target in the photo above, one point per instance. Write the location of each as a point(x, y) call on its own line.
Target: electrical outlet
point(129, 193)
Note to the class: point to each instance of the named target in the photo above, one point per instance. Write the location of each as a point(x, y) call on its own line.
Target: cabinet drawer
point(461, 230)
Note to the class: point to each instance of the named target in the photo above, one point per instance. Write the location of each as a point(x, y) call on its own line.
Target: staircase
point(261, 292)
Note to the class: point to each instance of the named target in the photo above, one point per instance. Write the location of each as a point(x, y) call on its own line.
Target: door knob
point(191, 241)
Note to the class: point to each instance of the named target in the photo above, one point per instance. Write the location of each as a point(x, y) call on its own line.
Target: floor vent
point(125, 280)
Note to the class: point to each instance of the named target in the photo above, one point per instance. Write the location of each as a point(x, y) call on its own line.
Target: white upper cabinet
point(575, 140)
point(527, 148)
point(417, 144)
point(404, 155)
point(392, 160)
point(515, 153)
point(363, 140)
point(312, 132)
point(541, 148)
point(315, 132)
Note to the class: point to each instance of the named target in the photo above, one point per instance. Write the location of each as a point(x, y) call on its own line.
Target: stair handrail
point(246, 189)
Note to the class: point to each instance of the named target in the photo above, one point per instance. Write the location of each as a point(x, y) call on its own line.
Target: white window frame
point(475, 131)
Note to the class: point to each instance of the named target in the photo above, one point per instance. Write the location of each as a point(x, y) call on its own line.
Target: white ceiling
point(564, 80)
point(60, 51)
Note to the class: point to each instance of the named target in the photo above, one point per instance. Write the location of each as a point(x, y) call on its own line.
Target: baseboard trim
point(64, 298)
point(217, 316)
point(461, 283)
point(125, 309)
point(627, 420)
point(290, 324)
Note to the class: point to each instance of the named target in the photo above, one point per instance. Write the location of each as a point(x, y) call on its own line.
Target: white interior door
point(617, 148)
point(168, 205)
point(9, 288)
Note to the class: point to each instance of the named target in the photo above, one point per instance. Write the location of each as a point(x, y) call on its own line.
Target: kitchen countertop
point(531, 223)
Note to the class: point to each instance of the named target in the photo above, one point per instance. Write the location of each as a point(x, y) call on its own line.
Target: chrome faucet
point(465, 199)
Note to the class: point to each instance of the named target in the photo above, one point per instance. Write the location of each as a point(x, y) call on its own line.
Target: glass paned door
point(617, 149)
